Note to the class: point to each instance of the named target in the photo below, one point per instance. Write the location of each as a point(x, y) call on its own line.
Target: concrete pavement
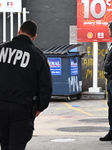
point(75, 125)
point(64, 143)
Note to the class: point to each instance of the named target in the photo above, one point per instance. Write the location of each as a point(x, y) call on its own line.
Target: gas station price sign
point(92, 20)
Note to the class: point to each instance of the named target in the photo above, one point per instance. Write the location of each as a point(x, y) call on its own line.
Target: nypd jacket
point(108, 61)
point(24, 73)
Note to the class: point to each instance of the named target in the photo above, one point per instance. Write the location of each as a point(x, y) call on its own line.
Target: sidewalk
point(66, 143)
point(75, 125)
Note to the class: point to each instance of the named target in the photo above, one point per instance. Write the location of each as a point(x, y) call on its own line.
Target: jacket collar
point(23, 38)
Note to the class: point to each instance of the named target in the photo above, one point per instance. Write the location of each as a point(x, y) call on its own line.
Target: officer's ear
point(19, 32)
point(34, 37)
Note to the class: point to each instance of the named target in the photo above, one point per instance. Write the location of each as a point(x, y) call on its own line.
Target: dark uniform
point(108, 75)
point(24, 73)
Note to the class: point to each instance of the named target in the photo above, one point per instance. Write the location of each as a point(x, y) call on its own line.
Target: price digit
point(86, 8)
point(108, 2)
point(92, 8)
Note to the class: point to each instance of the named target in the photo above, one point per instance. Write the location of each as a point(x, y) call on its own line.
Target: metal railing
point(24, 12)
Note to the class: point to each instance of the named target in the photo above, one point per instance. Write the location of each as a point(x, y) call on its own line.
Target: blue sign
point(74, 66)
point(55, 66)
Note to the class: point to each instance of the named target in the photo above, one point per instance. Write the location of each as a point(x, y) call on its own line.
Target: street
point(71, 125)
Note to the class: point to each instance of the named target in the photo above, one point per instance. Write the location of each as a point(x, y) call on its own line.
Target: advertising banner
point(74, 66)
point(92, 20)
point(55, 66)
point(10, 5)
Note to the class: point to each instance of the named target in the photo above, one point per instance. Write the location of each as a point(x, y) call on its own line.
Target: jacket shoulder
point(2, 44)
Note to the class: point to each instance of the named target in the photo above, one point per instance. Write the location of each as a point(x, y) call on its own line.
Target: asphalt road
point(75, 125)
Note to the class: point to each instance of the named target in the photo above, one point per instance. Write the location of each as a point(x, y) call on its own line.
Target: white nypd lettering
point(17, 56)
point(3, 54)
point(25, 59)
point(9, 55)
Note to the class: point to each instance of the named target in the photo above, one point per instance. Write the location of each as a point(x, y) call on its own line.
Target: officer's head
point(29, 28)
point(110, 28)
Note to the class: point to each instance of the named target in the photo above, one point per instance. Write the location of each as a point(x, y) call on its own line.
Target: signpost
point(92, 26)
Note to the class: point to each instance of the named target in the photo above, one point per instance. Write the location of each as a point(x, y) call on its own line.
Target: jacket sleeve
point(44, 87)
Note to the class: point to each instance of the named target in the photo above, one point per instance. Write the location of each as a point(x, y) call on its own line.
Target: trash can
point(65, 66)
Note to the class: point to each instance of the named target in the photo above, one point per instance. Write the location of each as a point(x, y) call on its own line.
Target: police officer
point(108, 75)
point(25, 87)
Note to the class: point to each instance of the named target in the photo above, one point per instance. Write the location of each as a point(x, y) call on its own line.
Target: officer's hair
point(110, 25)
point(29, 27)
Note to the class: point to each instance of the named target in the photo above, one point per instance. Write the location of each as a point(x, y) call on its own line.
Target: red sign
point(92, 20)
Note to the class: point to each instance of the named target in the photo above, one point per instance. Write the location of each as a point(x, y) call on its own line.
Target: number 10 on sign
point(90, 8)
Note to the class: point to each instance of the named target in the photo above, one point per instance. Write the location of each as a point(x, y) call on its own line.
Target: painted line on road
point(102, 109)
point(104, 101)
point(78, 109)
